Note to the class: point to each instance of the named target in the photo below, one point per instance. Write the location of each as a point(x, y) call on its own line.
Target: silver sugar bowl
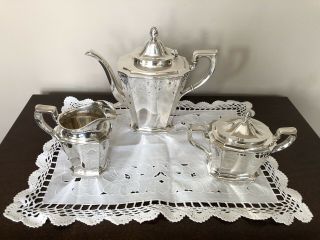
point(241, 145)
point(83, 132)
point(152, 81)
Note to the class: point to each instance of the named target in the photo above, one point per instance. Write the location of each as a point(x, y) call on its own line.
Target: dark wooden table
point(301, 163)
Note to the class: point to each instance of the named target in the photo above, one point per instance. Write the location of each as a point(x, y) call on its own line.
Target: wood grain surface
point(300, 162)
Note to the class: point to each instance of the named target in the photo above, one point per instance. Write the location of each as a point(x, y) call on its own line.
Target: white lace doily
point(149, 174)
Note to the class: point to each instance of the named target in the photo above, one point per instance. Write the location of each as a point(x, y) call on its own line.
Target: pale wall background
point(266, 47)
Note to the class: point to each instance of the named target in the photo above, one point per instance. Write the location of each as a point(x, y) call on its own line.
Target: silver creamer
point(83, 133)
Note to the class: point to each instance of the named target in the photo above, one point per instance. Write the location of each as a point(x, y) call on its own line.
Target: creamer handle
point(38, 116)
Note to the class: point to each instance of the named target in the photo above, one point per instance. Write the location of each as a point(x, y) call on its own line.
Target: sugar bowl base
point(233, 177)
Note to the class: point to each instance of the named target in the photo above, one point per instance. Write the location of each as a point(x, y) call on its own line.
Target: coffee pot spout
point(114, 82)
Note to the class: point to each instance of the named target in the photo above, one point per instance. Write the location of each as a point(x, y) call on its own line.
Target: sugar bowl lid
point(153, 59)
point(242, 134)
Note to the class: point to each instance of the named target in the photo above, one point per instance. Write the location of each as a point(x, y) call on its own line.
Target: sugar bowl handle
point(211, 55)
point(38, 116)
point(198, 128)
point(291, 133)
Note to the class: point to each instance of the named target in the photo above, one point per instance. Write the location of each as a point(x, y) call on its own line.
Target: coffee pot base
point(80, 172)
point(151, 130)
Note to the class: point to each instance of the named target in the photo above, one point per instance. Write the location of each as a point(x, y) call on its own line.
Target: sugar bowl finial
point(247, 116)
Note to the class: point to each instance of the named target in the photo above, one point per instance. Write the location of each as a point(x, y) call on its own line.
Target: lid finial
point(154, 55)
point(153, 33)
point(247, 116)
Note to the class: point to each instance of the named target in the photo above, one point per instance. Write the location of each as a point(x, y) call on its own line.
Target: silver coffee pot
point(83, 132)
point(239, 146)
point(152, 81)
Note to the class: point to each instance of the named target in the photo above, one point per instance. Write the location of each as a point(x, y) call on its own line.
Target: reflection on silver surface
point(84, 134)
point(240, 146)
point(152, 80)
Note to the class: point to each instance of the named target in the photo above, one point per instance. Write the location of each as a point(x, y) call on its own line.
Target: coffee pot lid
point(154, 59)
point(243, 133)
point(154, 54)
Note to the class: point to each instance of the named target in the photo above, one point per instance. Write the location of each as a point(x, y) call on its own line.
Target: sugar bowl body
point(239, 146)
point(83, 132)
point(152, 81)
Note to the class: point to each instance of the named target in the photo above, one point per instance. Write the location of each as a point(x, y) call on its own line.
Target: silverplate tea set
point(151, 82)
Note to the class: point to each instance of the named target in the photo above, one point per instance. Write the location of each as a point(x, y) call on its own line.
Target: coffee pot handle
point(211, 55)
point(38, 116)
point(198, 128)
point(291, 133)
